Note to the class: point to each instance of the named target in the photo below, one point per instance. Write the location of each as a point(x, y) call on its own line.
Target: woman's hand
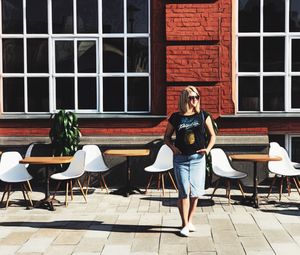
point(203, 151)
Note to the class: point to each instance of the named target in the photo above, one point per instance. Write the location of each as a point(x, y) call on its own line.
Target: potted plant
point(64, 133)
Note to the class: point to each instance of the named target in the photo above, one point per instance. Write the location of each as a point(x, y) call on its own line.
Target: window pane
point(249, 94)
point(112, 16)
point(249, 53)
point(87, 16)
point(36, 16)
point(87, 93)
point(249, 15)
point(12, 17)
point(13, 56)
point(138, 94)
point(38, 94)
point(294, 16)
point(113, 55)
point(295, 149)
point(37, 55)
point(278, 139)
point(137, 55)
point(137, 16)
point(274, 16)
point(273, 90)
point(13, 94)
point(65, 93)
point(295, 55)
point(62, 16)
point(274, 54)
point(296, 92)
point(64, 56)
point(86, 51)
point(113, 94)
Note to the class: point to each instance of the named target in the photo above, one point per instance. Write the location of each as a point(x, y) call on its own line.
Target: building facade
point(121, 64)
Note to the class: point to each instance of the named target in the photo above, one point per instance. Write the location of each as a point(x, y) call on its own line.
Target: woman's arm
point(168, 138)
point(212, 139)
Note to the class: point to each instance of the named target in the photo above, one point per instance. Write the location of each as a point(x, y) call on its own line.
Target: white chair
point(283, 168)
point(28, 154)
point(223, 169)
point(94, 163)
point(11, 171)
point(73, 172)
point(162, 165)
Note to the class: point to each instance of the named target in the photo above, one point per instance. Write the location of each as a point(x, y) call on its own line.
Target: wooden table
point(256, 158)
point(47, 201)
point(128, 189)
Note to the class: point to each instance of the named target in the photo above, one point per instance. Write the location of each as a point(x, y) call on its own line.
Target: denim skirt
point(190, 173)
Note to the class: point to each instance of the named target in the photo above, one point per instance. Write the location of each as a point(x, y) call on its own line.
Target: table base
point(126, 191)
point(251, 201)
point(47, 202)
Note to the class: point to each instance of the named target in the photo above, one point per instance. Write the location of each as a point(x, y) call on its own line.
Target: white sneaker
point(185, 231)
point(192, 228)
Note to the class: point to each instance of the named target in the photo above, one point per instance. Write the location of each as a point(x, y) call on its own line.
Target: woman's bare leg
point(183, 206)
point(192, 208)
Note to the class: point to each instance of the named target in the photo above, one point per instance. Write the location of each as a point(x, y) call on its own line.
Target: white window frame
point(261, 74)
point(99, 60)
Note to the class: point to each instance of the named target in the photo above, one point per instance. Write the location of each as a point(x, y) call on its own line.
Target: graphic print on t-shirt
point(188, 126)
point(189, 137)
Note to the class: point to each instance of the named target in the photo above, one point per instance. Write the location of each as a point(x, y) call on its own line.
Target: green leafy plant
point(64, 133)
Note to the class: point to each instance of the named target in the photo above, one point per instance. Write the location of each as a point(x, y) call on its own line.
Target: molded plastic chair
point(11, 171)
point(28, 154)
point(94, 163)
point(283, 168)
point(162, 165)
point(73, 172)
point(222, 168)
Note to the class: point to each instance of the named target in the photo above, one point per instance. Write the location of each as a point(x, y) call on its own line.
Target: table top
point(127, 152)
point(46, 160)
point(255, 157)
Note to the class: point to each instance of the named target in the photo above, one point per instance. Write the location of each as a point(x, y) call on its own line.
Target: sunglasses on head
point(194, 97)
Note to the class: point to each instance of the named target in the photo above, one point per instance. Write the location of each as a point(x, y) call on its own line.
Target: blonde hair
point(184, 99)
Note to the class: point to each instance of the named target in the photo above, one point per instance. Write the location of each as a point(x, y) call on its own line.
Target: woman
point(189, 153)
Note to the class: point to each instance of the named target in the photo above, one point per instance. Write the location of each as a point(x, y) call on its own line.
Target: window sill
point(263, 115)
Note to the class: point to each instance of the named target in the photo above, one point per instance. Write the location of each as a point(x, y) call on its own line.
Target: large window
point(81, 55)
point(268, 50)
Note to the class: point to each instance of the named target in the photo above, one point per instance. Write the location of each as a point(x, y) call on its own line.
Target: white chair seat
point(155, 169)
point(233, 174)
point(64, 176)
point(13, 178)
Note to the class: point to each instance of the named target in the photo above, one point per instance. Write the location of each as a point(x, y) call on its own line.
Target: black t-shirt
point(190, 131)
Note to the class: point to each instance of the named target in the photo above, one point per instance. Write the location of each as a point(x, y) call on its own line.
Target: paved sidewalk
point(148, 225)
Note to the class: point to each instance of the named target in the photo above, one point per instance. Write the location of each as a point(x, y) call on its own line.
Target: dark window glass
point(295, 55)
point(138, 94)
point(273, 90)
point(274, 16)
point(87, 16)
point(36, 16)
point(38, 94)
point(64, 56)
point(62, 16)
point(86, 51)
point(12, 16)
point(13, 56)
point(274, 54)
point(65, 93)
point(280, 139)
point(113, 94)
point(112, 16)
point(249, 53)
point(296, 92)
point(113, 55)
point(294, 16)
point(13, 94)
point(249, 94)
point(137, 16)
point(137, 55)
point(87, 93)
point(37, 55)
point(249, 15)
point(296, 149)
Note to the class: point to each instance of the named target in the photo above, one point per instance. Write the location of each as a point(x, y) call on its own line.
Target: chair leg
point(23, 192)
point(217, 185)
point(149, 183)
point(273, 182)
point(296, 184)
point(172, 180)
point(228, 191)
point(280, 189)
point(104, 182)
point(67, 191)
point(71, 189)
point(163, 184)
point(4, 192)
point(241, 187)
point(27, 193)
point(88, 183)
point(81, 190)
point(158, 181)
point(288, 184)
point(29, 186)
point(8, 194)
point(56, 189)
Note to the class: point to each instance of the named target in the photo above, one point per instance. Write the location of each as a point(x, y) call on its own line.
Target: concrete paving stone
point(46, 232)
point(16, 238)
point(171, 249)
point(229, 249)
point(277, 236)
point(39, 245)
point(120, 238)
point(247, 230)
point(201, 244)
point(265, 221)
point(202, 230)
point(110, 249)
point(145, 245)
point(9, 249)
point(69, 237)
point(90, 245)
point(292, 228)
point(283, 219)
point(242, 218)
point(225, 236)
point(284, 248)
point(143, 253)
point(60, 249)
point(221, 224)
point(258, 243)
point(172, 238)
point(260, 253)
